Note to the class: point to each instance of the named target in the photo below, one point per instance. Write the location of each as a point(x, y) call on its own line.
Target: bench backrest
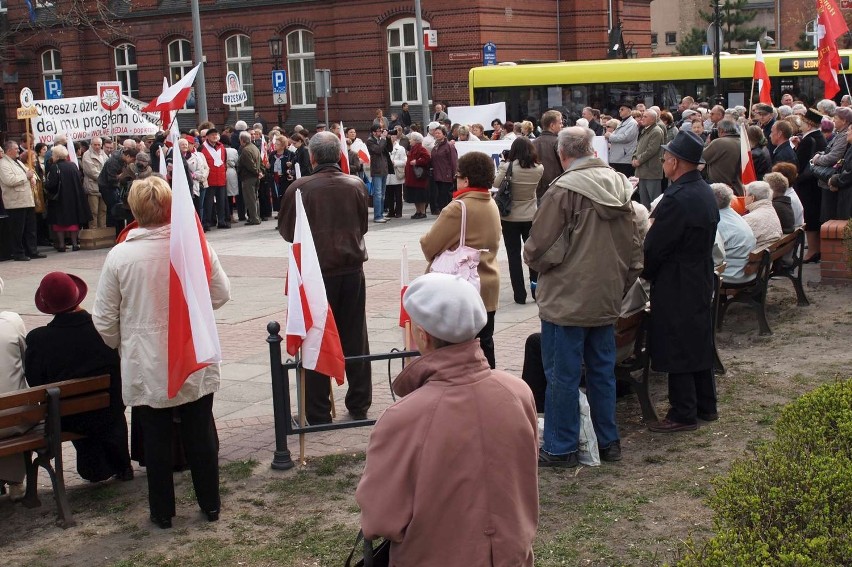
point(29, 407)
point(777, 249)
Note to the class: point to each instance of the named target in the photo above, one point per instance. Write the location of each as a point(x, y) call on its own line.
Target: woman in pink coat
point(451, 476)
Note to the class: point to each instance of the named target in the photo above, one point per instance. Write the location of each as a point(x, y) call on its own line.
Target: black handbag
point(824, 172)
point(419, 172)
point(503, 198)
point(372, 557)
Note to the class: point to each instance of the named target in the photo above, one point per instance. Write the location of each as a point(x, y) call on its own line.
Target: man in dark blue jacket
point(679, 265)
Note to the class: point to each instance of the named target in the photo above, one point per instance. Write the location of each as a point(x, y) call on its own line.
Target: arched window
point(300, 62)
point(238, 59)
point(402, 62)
point(51, 66)
point(126, 71)
point(180, 63)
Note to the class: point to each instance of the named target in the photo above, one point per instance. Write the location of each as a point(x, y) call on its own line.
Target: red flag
point(193, 339)
point(172, 98)
point(830, 25)
point(344, 152)
point(310, 322)
point(761, 75)
point(747, 174)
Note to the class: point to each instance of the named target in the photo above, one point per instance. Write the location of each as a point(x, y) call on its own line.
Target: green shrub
point(790, 504)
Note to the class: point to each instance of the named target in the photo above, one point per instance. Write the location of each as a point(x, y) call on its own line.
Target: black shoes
point(521, 300)
point(162, 523)
point(75, 247)
point(568, 461)
point(713, 416)
point(36, 256)
point(126, 475)
point(612, 453)
point(212, 515)
point(223, 226)
point(813, 259)
point(21, 258)
point(358, 415)
point(669, 426)
point(249, 223)
point(418, 216)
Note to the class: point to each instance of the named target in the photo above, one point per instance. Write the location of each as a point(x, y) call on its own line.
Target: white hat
point(447, 307)
point(432, 126)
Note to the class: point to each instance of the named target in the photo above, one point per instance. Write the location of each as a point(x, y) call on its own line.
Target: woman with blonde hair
point(132, 314)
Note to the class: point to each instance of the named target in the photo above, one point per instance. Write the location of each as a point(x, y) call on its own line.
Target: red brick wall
point(834, 267)
point(350, 40)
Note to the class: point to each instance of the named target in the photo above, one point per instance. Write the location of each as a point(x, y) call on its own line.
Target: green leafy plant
point(790, 504)
point(692, 42)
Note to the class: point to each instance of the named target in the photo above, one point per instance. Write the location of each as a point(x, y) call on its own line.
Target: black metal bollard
point(280, 399)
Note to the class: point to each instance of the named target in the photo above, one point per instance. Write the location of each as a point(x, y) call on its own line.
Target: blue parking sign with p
point(279, 82)
point(53, 89)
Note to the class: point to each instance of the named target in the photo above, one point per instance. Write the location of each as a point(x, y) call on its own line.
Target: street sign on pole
point(53, 89)
point(279, 87)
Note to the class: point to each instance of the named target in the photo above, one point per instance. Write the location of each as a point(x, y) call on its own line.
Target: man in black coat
point(679, 265)
point(783, 151)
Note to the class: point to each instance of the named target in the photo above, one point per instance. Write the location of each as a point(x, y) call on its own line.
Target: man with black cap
point(623, 141)
point(765, 115)
point(217, 180)
point(679, 265)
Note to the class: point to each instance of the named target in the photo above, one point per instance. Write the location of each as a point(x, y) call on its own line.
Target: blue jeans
point(379, 196)
point(563, 351)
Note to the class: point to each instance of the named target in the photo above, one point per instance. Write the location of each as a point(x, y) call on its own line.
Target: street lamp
point(276, 44)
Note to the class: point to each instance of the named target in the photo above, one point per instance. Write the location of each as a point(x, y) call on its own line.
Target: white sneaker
point(16, 491)
point(380, 220)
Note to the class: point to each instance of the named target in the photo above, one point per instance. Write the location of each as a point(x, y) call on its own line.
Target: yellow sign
point(24, 113)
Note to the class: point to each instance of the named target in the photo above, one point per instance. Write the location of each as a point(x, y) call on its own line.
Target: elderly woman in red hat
point(70, 347)
point(132, 313)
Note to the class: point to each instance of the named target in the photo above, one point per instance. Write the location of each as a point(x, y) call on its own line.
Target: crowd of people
point(579, 223)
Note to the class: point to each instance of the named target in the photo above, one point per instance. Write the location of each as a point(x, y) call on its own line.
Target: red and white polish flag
point(193, 338)
point(747, 171)
point(310, 322)
point(761, 75)
point(344, 152)
point(172, 98)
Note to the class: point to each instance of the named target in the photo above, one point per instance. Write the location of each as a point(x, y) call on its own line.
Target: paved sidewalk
point(255, 259)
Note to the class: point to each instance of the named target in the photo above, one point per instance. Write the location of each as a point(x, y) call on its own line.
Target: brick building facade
point(363, 42)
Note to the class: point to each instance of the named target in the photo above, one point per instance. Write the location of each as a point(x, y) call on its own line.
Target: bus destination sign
point(799, 64)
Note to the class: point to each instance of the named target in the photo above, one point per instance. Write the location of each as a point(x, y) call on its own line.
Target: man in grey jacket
point(646, 159)
point(585, 244)
point(623, 140)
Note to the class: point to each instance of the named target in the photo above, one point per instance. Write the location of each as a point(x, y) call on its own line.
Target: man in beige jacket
point(16, 184)
point(92, 163)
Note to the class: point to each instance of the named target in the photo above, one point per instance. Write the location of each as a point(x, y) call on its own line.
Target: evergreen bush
point(791, 503)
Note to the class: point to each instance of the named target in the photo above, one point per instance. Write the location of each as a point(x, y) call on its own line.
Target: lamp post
point(275, 46)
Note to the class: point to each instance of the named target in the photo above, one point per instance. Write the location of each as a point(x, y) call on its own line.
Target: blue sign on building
point(279, 82)
point(53, 89)
point(489, 54)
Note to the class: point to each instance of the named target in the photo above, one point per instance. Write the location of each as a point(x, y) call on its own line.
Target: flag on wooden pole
point(344, 152)
point(761, 75)
point(747, 172)
point(310, 322)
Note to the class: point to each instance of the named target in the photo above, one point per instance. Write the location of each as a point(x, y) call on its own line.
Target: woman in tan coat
point(526, 173)
point(474, 178)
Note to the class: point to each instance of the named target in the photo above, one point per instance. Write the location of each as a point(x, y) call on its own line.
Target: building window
point(402, 62)
point(301, 65)
point(180, 63)
point(238, 58)
point(51, 66)
point(126, 71)
point(671, 38)
point(653, 40)
point(3, 6)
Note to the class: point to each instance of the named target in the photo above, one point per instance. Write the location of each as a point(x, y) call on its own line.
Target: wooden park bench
point(40, 409)
point(765, 264)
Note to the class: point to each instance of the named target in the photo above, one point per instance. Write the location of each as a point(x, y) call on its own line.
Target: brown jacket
point(336, 206)
point(451, 475)
point(585, 246)
point(483, 232)
point(723, 162)
point(545, 147)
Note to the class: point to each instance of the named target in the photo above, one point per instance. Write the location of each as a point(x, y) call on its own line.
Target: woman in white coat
point(131, 313)
point(396, 177)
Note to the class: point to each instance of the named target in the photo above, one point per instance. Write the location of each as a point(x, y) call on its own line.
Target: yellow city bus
point(530, 89)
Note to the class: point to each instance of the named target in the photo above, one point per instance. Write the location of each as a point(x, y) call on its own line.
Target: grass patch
point(238, 470)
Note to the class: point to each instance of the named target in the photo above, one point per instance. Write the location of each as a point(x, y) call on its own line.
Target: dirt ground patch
point(637, 512)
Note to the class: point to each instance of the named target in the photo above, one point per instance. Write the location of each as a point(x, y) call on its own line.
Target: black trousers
point(198, 431)
point(486, 340)
point(393, 200)
point(22, 224)
point(443, 194)
point(219, 194)
point(264, 197)
point(514, 236)
point(691, 393)
point(625, 168)
point(347, 296)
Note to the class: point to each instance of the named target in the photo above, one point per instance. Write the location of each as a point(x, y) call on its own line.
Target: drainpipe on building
point(421, 64)
point(200, 86)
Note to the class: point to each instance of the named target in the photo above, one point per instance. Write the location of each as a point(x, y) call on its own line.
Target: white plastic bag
point(588, 450)
point(588, 440)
